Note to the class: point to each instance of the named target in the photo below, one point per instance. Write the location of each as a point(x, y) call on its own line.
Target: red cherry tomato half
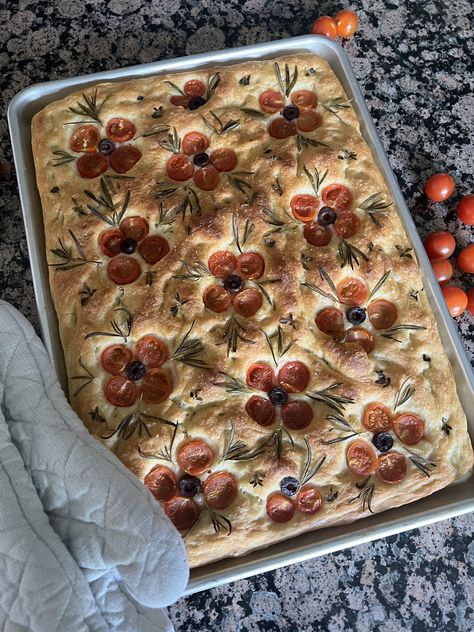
point(183, 512)
point(157, 386)
point(261, 410)
point(409, 428)
point(470, 300)
point(248, 302)
point(443, 270)
point(377, 418)
point(195, 457)
point(346, 23)
point(123, 270)
point(151, 351)
point(222, 263)
point(194, 143)
point(194, 88)
point(281, 128)
point(124, 158)
point(297, 415)
point(115, 358)
point(330, 321)
point(85, 139)
point(250, 265)
point(153, 248)
point(162, 482)
point(220, 490)
point(120, 391)
point(271, 101)
point(346, 224)
point(206, 178)
point(361, 459)
point(134, 228)
point(120, 130)
point(466, 259)
point(392, 467)
point(465, 210)
point(362, 337)
point(325, 26)
point(223, 159)
point(304, 207)
point(216, 299)
point(309, 120)
point(351, 291)
point(110, 242)
point(308, 500)
point(439, 187)
point(180, 100)
point(260, 376)
point(337, 196)
point(91, 165)
point(294, 376)
point(304, 99)
point(316, 235)
point(179, 168)
point(439, 245)
point(280, 508)
point(382, 314)
point(456, 300)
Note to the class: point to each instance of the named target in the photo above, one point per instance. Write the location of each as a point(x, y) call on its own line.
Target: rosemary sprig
point(236, 179)
point(324, 276)
point(232, 448)
point(120, 329)
point(254, 113)
point(166, 217)
point(193, 271)
point(337, 105)
point(68, 260)
point(281, 348)
point(88, 377)
point(308, 471)
point(288, 320)
point(61, 158)
point(105, 201)
point(245, 80)
point(165, 454)
point(257, 479)
point(347, 155)
point(175, 87)
point(287, 83)
point(154, 130)
point(422, 463)
point(404, 252)
point(261, 287)
point(248, 230)
point(341, 421)
point(382, 379)
point(231, 384)
point(304, 141)
point(96, 415)
point(171, 142)
point(348, 254)
point(179, 302)
point(189, 351)
point(335, 402)
point(220, 522)
point(374, 206)
point(317, 179)
point(285, 225)
point(366, 494)
point(89, 106)
point(86, 294)
point(212, 85)
point(217, 126)
point(276, 186)
point(318, 290)
point(340, 439)
point(445, 427)
point(233, 332)
point(137, 421)
point(404, 393)
point(390, 333)
point(379, 284)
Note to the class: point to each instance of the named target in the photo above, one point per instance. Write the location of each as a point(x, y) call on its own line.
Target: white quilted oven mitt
point(83, 544)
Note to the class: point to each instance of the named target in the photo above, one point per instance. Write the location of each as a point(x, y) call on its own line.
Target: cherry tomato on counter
point(466, 259)
point(439, 245)
point(456, 299)
point(325, 26)
point(346, 23)
point(465, 210)
point(442, 269)
point(470, 300)
point(439, 187)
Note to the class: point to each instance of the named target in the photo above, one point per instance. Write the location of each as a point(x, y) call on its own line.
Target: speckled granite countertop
point(413, 59)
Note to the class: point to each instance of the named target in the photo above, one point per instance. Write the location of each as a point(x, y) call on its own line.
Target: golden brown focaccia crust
point(251, 208)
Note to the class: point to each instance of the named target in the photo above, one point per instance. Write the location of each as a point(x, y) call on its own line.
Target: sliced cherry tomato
point(120, 130)
point(346, 224)
point(151, 351)
point(382, 314)
point(346, 23)
point(362, 337)
point(153, 248)
point(115, 358)
point(183, 512)
point(470, 300)
point(281, 128)
point(392, 467)
point(439, 245)
point(124, 158)
point(194, 143)
point(439, 187)
point(248, 302)
point(162, 482)
point(316, 235)
point(134, 228)
point(223, 159)
point(250, 265)
point(326, 26)
point(308, 500)
point(456, 299)
point(271, 101)
point(351, 291)
point(195, 457)
point(222, 263)
point(260, 376)
point(466, 259)
point(220, 490)
point(216, 299)
point(180, 100)
point(304, 99)
point(157, 386)
point(85, 139)
point(297, 415)
point(337, 196)
point(91, 165)
point(280, 508)
point(194, 88)
point(123, 270)
point(309, 120)
point(465, 210)
point(179, 168)
point(110, 242)
point(206, 178)
point(260, 410)
point(361, 459)
point(377, 418)
point(294, 376)
point(443, 270)
point(409, 428)
point(330, 321)
point(120, 391)
point(304, 207)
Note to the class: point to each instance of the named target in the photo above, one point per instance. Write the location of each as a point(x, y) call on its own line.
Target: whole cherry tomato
point(439, 245)
point(439, 187)
point(442, 269)
point(465, 210)
point(466, 259)
point(470, 300)
point(346, 23)
point(325, 26)
point(456, 299)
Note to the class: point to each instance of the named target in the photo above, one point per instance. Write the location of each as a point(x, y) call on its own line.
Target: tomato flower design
point(113, 150)
point(281, 507)
point(137, 372)
point(118, 244)
point(293, 377)
point(297, 112)
point(195, 457)
point(235, 273)
point(195, 93)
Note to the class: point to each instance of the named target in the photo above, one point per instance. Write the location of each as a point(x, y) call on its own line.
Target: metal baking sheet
point(455, 500)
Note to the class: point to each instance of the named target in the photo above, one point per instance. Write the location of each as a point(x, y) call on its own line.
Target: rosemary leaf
point(87, 377)
point(231, 384)
point(405, 392)
point(120, 329)
point(379, 284)
point(335, 402)
point(253, 113)
point(348, 254)
point(189, 351)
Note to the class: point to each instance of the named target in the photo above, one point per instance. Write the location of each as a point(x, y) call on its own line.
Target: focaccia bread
point(243, 319)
